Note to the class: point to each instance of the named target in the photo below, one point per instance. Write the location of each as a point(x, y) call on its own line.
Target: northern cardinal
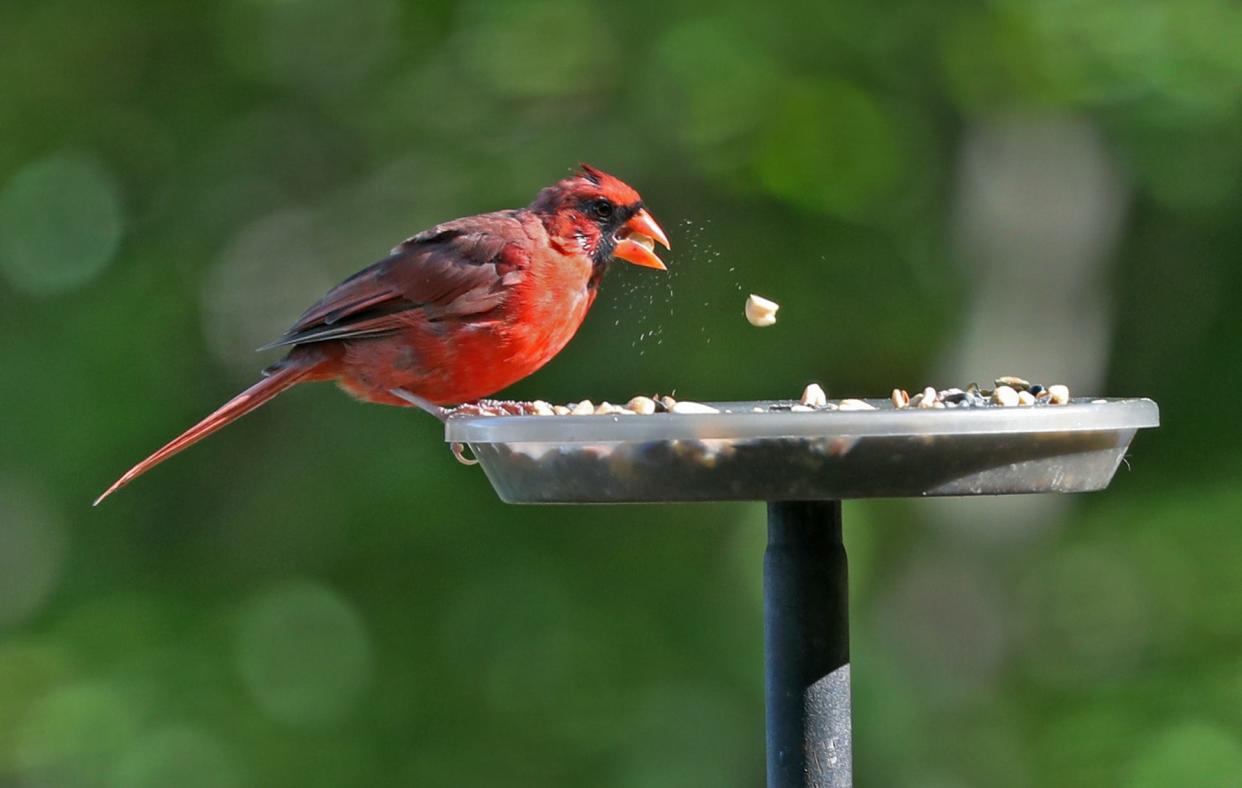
point(459, 311)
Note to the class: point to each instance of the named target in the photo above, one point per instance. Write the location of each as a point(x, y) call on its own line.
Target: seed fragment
point(606, 409)
point(900, 398)
point(927, 399)
point(1026, 398)
point(761, 311)
point(561, 410)
point(813, 396)
point(1058, 394)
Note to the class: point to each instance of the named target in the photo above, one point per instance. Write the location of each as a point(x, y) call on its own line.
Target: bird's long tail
point(290, 373)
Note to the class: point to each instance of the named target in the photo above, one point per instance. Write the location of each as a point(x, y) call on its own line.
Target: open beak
point(636, 241)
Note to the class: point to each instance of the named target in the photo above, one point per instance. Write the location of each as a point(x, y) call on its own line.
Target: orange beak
point(637, 239)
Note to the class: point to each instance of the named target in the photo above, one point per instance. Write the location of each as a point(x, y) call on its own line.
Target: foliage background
point(320, 596)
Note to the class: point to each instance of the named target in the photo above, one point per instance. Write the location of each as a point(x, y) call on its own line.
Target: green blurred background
point(320, 596)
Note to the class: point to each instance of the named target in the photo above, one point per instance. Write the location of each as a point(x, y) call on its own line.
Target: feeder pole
point(807, 647)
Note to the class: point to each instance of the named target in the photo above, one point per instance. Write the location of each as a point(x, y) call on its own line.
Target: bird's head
point(603, 216)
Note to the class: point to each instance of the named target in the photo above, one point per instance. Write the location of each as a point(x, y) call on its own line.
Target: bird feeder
point(803, 464)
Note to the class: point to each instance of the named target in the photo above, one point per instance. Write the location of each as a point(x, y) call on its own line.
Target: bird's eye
point(602, 209)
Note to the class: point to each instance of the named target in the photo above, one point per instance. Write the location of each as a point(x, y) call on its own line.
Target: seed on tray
point(541, 408)
point(926, 399)
point(802, 409)
point(644, 406)
point(584, 408)
point(1026, 398)
point(1005, 396)
point(1014, 382)
point(665, 403)
point(760, 311)
point(561, 410)
point(692, 407)
point(855, 404)
point(606, 409)
point(952, 396)
point(900, 398)
point(1058, 394)
point(813, 396)
point(1037, 390)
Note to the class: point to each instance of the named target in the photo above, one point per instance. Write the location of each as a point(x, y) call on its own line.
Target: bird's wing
point(456, 269)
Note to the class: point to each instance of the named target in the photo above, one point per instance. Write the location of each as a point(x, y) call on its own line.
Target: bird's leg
point(435, 410)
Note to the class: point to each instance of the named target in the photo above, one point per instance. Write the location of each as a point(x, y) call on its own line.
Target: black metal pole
point(807, 647)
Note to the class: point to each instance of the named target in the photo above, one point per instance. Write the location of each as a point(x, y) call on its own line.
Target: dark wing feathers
point(459, 268)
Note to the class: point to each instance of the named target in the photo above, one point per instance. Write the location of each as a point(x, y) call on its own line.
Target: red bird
point(459, 311)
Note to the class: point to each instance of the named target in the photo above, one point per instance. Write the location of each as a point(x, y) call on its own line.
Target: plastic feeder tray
point(804, 465)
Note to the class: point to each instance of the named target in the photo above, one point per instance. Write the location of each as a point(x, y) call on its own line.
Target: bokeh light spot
point(319, 45)
point(32, 541)
point(720, 78)
point(304, 653)
point(827, 146)
point(552, 42)
point(1087, 616)
point(73, 737)
point(266, 276)
point(60, 223)
point(179, 756)
point(690, 734)
point(1188, 755)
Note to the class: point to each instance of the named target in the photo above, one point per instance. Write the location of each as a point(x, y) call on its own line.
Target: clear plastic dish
point(743, 455)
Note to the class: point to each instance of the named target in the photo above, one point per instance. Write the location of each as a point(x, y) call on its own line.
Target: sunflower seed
point(813, 396)
point(641, 405)
point(855, 404)
point(1005, 396)
point(583, 408)
point(760, 311)
point(692, 407)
